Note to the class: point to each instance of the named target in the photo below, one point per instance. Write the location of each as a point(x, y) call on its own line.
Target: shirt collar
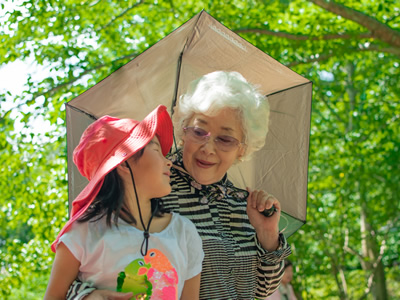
point(211, 192)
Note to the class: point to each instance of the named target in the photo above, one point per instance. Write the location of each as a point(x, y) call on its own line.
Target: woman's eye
point(200, 132)
point(225, 139)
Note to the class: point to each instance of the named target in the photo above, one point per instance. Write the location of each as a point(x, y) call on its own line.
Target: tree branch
point(333, 112)
point(343, 36)
point(378, 29)
point(121, 14)
point(348, 249)
point(394, 17)
point(323, 57)
point(390, 50)
point(310, 60)
point(299, 37)
point(54, 89)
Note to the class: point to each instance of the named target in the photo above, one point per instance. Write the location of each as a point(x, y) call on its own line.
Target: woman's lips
point(204, 163)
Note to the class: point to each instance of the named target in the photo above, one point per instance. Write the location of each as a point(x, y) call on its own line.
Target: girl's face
point(208, 161)
point(151, 171)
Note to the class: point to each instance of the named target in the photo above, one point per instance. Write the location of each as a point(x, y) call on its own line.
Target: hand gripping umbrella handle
point(269, 212)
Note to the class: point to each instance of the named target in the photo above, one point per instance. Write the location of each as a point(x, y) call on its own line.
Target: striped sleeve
point(78, 290)
point(271, 267)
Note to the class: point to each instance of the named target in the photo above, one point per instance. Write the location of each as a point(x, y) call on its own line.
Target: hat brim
point(157, 123)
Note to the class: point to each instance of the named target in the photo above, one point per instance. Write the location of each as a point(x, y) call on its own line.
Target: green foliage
point(354, 145)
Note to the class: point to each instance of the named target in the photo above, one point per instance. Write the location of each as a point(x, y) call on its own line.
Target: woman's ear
point(241, 153)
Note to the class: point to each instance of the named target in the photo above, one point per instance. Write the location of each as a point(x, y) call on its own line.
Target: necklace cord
point(146, 233)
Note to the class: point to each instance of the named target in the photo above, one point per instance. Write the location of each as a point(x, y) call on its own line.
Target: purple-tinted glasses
point(198, 135)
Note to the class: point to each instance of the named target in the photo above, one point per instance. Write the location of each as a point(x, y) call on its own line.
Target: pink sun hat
point(108, 142)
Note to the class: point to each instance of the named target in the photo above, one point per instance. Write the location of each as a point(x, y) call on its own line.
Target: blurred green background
point(51, 51)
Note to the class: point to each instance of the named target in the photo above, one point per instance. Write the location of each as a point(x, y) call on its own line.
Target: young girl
point(118, 238)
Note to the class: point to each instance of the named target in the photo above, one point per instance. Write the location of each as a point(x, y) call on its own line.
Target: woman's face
point(206, 163)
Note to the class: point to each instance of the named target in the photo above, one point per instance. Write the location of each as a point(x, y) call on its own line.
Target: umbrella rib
point(82, 111)
point(178, 73)
point(179, 67)
point(293, 87)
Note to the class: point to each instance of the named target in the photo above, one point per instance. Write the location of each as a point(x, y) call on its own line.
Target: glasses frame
point(217, 140)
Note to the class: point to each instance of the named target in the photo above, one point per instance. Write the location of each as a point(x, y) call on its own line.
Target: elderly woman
point(221, 121)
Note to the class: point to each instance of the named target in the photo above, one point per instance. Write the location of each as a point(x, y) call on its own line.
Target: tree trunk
point(379, 288)
point(372, 263)
point(337, 271)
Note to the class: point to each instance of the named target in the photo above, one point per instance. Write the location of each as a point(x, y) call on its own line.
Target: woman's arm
point(65, 270)
point(272, 247)
point(191, 289)
point(81, 290)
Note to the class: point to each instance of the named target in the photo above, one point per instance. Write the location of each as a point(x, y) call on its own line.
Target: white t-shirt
point(104, 252)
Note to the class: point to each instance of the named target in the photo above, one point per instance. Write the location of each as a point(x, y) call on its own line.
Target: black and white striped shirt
point(235, 265)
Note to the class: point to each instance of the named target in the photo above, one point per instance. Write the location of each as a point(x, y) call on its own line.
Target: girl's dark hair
point(110, 199)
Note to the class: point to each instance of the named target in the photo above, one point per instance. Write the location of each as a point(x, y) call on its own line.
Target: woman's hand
point(267, 228)
point(108, 295)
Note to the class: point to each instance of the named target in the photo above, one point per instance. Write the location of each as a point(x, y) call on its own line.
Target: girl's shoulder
point(174, 224)
point(93, 227)
point(182, 221)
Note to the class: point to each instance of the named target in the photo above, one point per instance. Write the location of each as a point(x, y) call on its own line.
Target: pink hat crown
point(100, 141)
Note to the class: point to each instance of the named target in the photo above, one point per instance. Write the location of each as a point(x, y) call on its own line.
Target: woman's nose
point(209, 146)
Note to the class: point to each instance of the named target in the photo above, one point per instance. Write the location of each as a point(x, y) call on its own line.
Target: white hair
point(219, 90)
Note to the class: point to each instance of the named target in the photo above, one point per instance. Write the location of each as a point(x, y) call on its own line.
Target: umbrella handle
point(269, 212)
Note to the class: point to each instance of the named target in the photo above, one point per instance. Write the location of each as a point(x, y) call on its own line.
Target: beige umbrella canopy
point(162, 73)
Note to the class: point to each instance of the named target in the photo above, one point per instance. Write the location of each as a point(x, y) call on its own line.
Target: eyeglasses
point(198, 135)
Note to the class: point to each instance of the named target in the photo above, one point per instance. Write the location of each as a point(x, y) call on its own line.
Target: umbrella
point(162, 73)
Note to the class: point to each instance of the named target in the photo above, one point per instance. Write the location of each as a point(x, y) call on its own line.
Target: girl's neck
point(145, 209)
point(157, 224)
point(146, 216)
